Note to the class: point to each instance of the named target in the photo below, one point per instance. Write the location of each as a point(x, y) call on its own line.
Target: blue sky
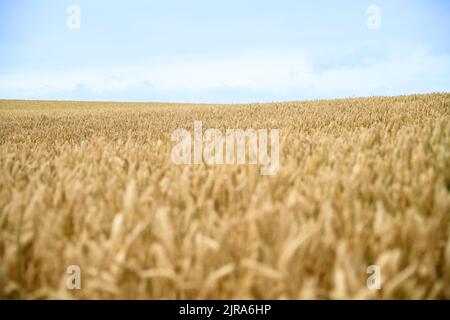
point(227, 51)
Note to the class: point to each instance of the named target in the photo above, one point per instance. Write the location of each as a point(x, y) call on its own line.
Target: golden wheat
point(361, 182)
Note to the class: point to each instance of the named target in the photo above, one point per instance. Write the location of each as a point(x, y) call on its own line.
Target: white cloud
point(284, 75)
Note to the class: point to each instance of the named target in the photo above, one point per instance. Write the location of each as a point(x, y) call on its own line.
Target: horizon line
point(233, 103)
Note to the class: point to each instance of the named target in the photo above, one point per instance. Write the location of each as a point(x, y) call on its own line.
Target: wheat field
point(362, 181)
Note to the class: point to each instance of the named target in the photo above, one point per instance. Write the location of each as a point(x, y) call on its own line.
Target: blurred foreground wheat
point(361, 182)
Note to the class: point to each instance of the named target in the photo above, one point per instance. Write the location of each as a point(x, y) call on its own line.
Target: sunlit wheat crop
point(361, 182)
